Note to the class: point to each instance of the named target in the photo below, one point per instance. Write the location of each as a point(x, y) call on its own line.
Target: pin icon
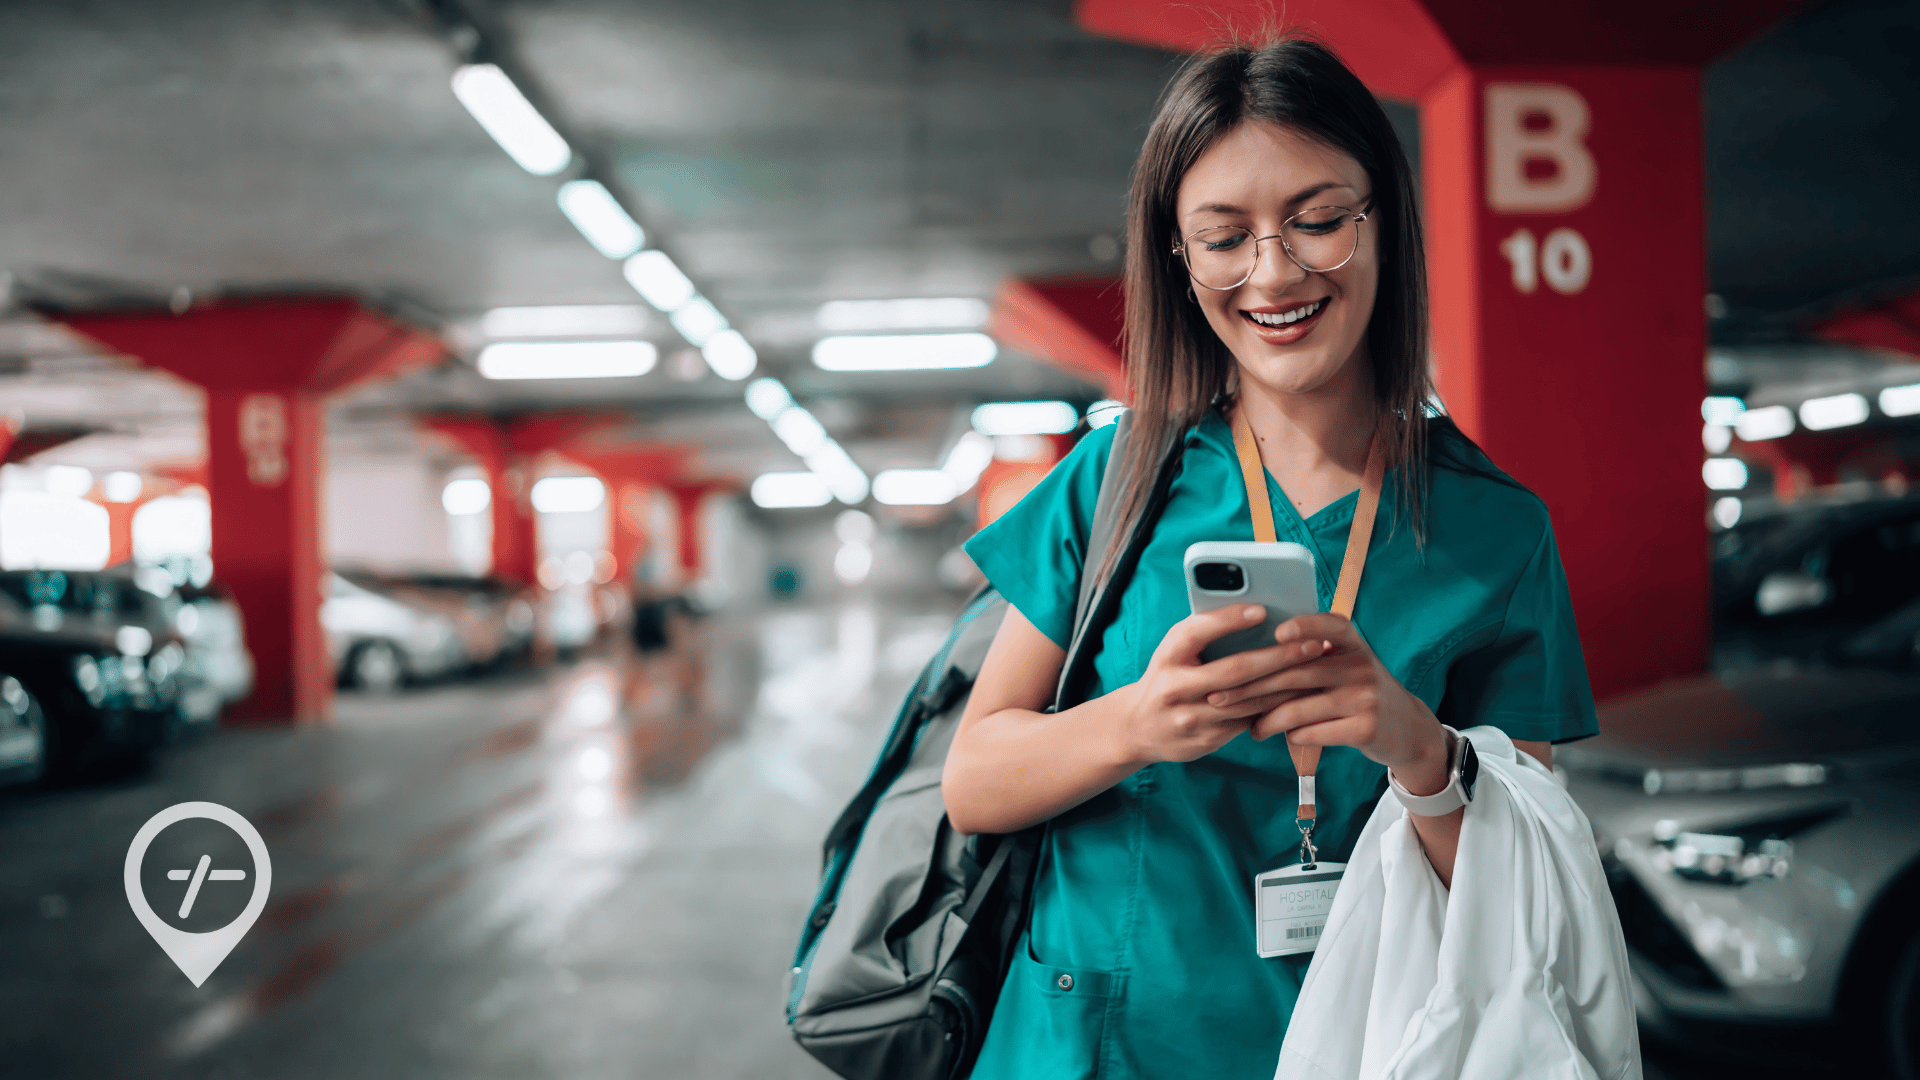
point(197, 955)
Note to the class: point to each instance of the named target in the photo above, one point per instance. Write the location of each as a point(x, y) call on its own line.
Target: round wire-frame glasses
point(1318, 234)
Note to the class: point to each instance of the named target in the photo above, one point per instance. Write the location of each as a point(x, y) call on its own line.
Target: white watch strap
point(1447, 799)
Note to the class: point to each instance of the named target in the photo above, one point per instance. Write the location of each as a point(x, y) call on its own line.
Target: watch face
point(1469, 766)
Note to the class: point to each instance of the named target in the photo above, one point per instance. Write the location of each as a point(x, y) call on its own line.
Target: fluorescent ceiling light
point(730, 355)
point(844, 477)
point(767, 398)
point(600, 218)
point(788, 490)
point(1724, 473)
point(913, 487)
point(799, 430)
point(967, 460)
point(654, 276)
point(1726, 511)
point(904, 352)
point(468, 496)
point(698, 320)
point(1766, 422)
point(1900, 400)
point(1722, 410)
point(73, 481)
point(1025, 418)
point(1716, 438)
point(590, 320)
point(511, 119)
point(1840, 410)
point(567, 359)
point(960, 313)
point(122, 487)
point(569, 494)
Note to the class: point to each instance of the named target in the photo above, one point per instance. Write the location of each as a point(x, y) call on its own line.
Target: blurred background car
point(380, 642)
point(23, 734)
point(1824, 581)
point(97, 654)
point(218, 669)
point(494, 618)
point(1758, 836)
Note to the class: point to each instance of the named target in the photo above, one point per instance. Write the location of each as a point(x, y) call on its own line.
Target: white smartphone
point(1276, 575)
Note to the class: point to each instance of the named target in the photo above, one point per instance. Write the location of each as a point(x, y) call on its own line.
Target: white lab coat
point(1520, 972)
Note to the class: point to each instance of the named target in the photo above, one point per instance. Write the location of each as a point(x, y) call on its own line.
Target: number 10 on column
point(1564, 260)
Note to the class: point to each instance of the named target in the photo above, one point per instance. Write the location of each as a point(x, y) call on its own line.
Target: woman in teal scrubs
point(1275, 274)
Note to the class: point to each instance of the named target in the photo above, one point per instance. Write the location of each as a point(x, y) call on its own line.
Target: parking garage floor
point(593, 871)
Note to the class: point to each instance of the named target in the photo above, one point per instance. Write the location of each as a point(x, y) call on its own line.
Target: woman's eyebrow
point(1317, 189)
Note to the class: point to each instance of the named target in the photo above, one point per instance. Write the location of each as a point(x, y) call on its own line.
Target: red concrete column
point(268, 368)
point(1561, 158)
point(688, 500)
point(629, 470)
point(509, 511)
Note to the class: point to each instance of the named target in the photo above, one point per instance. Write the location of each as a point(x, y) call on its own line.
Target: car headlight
point(1735, 855)
point(86, 674)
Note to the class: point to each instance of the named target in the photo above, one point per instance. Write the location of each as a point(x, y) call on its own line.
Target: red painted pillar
point(688, 500)
point(1561, 159)
point(509, 511)
point(267, 368)
point(629, 470)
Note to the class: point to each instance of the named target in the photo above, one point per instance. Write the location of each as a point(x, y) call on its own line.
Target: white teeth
point(1266, 318)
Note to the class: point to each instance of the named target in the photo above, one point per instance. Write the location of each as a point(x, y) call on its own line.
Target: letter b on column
point(1537, 156)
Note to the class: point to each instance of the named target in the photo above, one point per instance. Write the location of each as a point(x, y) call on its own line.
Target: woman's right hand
point(1165, 716)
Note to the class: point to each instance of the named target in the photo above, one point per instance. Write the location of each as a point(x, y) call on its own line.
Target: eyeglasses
point(1317, 240)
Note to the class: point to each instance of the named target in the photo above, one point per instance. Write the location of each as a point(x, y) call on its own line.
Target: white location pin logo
point(198, 954)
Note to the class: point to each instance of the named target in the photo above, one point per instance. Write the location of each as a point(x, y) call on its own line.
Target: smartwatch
point(1463, 768)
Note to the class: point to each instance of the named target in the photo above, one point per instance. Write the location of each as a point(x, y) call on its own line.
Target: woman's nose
point(1275, 271)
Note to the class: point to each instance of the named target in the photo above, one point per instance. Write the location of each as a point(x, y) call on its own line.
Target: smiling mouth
point(1276, 319)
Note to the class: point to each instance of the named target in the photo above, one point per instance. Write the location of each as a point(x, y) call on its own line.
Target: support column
point(1561, 160)
point(485, 440)
point(268, 368)
point(688, 500)
point(629, 470)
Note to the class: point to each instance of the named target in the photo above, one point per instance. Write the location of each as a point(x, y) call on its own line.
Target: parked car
point(1824, 582)
point(378, 642)
point(495, 619)
point(106, 685)
point(23, 734)
point(218, 669)
point(1760, 837)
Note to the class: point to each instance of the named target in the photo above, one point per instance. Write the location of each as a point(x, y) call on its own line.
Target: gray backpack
point(902, 958)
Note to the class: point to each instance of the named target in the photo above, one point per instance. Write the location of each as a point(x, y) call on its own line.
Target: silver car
point(1762, 836)
point(378, 643)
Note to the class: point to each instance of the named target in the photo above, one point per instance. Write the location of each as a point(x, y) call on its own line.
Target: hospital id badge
point(1291, 905)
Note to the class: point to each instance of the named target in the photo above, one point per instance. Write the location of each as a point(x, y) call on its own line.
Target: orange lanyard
point(1306, 759)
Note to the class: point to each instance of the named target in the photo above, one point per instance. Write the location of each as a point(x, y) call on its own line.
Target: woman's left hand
point(1346, 697)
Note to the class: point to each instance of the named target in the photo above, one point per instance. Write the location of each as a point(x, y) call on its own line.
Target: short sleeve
point(1531, 680)
point(1032, 554)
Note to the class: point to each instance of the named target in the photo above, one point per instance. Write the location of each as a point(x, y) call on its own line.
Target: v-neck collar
point(1333, 518)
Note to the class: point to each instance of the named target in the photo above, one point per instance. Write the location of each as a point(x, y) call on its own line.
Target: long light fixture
point(600, 218)
point(698, 320)
point(768, 398)
point(904, 352)
point(1827, 413)
point(654, 276)
point(1724, 474)
point(843, 475)
point(565, 321)
point(960, 313)
point(1900, 400)
point(468, 495)
point(913, 487)
point(569, 494)
point(799, 430)
point(567, 359)
point(122, 487)
point(789, 490)
point(967, 460)
point(1722, 410)
point(1025, 418)
point(730, 355)
point(511, 119)
point(1766, 422)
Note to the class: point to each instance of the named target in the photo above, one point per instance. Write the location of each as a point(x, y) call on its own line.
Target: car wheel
point(1903, 1013)
point(24, 748)
point(377, 667)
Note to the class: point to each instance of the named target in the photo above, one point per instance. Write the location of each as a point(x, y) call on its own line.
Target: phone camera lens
point(1219, 576)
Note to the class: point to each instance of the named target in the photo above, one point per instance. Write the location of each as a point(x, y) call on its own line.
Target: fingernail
point(1310, 648)
point(1251, 611)
point(1216, 700)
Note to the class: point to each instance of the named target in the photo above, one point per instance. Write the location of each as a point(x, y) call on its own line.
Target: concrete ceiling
point(787, 153)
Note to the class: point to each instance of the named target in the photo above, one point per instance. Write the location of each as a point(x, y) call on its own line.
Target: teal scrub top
point(1140, 960)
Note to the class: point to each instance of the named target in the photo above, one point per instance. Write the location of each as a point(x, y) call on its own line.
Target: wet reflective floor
point(597, 870)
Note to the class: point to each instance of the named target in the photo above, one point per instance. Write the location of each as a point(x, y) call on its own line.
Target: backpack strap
point(1098, 601)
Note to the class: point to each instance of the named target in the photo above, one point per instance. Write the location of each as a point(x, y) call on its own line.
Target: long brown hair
point(1177, 367)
